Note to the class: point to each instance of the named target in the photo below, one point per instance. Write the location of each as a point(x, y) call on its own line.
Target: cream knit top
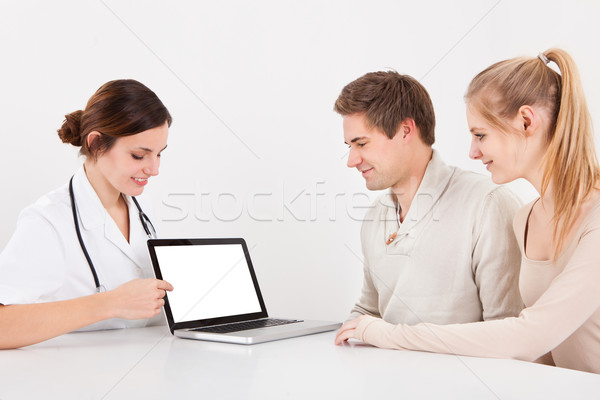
point(562, 313)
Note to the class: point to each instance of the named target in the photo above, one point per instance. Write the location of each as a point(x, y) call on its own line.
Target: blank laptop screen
point(209, 281)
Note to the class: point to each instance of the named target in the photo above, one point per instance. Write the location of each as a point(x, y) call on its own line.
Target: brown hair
point(570, 161)
point(388, 98)
point(119, 108)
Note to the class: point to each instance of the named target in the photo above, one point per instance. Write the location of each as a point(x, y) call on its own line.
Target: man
point(438, 246)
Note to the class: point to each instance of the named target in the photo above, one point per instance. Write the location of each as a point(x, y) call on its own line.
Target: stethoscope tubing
point(143, 219)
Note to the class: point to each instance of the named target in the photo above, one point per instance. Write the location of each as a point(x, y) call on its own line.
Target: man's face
point(380, 160)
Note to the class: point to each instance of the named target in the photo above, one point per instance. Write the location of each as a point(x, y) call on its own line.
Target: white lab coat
point(43, 260)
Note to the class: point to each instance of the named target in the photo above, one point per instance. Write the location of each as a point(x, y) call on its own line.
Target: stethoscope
point(146, 223)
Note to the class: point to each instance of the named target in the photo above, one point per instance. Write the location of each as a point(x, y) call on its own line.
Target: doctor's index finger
point(164, 285)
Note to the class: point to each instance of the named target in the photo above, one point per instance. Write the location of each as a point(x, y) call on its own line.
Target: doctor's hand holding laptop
point(217, 296)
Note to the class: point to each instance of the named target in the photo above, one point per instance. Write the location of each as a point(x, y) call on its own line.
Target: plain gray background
point(255, 149)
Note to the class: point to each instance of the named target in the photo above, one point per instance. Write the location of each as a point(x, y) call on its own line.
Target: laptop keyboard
point(246, 325)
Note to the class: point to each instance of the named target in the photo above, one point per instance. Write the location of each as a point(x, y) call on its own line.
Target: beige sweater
point(562, 314)
point(454, 259)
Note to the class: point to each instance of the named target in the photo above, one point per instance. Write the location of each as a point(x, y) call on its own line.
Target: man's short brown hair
point(388, 98)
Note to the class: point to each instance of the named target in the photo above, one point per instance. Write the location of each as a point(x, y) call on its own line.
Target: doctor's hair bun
point(119, 108)
point(70, 131)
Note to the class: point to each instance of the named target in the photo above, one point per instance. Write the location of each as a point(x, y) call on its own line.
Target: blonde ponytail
point(570, 162)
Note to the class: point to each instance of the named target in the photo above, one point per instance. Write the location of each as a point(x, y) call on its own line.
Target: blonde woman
point(528, 121)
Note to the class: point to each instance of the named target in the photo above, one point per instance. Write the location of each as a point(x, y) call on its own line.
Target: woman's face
point(503, 154)
point(132, 160)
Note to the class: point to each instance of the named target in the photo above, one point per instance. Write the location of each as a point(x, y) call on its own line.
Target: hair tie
point(543, 57)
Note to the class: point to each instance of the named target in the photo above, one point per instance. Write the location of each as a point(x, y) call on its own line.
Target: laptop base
point(261, 335)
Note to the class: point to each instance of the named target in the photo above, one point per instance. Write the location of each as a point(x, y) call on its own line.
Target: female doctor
point(78, 257)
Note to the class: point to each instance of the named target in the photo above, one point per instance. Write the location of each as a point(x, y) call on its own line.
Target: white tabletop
point(151, 364)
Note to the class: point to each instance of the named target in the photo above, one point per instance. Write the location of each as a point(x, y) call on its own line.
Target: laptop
point(216, 295)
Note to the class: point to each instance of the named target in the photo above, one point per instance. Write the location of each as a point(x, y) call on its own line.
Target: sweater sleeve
point(496, 256)
point(368, 302)
point(569, 301)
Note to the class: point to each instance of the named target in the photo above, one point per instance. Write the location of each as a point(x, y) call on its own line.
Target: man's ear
point(407, 129)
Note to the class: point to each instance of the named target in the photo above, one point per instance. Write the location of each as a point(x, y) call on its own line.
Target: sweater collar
point(434, 183)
